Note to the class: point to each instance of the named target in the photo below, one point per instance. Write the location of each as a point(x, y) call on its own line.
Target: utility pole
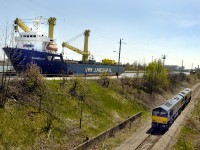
point(120, 43)
point(164, 57)
point(182, 66)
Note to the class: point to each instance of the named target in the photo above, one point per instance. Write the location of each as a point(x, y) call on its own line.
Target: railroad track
point(153, 137)
point(150, 140)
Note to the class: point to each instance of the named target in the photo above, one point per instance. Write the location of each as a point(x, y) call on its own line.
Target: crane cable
point(75, 37)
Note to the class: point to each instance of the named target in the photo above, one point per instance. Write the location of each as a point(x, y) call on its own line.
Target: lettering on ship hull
point(98, 70)
point(38, 58)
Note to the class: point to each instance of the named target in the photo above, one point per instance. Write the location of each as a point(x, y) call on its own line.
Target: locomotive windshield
point(159, 112)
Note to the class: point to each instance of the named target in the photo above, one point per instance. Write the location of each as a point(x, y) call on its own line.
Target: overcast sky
point(149, 28)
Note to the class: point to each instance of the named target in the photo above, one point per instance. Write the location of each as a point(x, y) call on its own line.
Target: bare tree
point(4, 80)
point(81, 91)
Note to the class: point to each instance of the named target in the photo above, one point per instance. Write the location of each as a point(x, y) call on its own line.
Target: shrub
point(32, 78)
point(155, 76)
point(104, 80)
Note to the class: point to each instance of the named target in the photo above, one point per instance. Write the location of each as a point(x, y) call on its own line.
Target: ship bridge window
point(49, 58)
point(34, 35)
point(31, 35)
point(52, 58)
point(57, 59)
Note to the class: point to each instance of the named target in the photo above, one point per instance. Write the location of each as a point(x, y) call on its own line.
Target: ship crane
point(18, 23)
point(51, 46)
point(85, 53)
point(52, 23)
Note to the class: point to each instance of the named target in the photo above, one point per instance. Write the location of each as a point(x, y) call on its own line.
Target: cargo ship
point(32, 46)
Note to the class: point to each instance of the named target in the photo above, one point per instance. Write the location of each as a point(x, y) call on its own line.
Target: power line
point(77, 25)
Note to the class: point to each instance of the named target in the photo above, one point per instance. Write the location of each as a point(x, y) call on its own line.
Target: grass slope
point(22, 126)
point(190, 133)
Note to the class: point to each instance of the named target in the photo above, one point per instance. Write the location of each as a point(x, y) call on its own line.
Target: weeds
point(190, 133)
point(40, 114)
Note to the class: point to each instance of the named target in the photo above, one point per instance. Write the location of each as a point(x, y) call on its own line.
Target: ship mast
point(52, 23)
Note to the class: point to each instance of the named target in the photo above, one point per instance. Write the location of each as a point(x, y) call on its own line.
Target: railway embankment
point(189, 135)
point(90, 144)
point(167, 139)
point(62, 114)
point(170, 137)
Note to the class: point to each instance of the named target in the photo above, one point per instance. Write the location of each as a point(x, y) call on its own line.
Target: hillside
point(52, 120)
point(190, 132)
point(61, 114)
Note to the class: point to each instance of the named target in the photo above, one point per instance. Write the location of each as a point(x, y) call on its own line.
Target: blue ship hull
point(53, 64)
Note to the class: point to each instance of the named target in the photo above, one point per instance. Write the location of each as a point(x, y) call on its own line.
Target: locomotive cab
point(160, 118)
point(164, 115)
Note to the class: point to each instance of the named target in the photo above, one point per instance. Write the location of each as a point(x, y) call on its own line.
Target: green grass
point(18, 126)
point(190, 133)
point(22, 126)
point(184, 142)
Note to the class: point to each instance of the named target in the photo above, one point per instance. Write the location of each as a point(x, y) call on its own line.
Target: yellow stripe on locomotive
point(158, 119)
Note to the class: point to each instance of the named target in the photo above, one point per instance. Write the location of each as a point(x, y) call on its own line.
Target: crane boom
point(18, 22)
point(85, 53)
point(52, 23)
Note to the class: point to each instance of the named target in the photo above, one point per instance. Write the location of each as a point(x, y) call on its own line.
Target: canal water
point(140, 74)
point(5, 68)
point(126, 74)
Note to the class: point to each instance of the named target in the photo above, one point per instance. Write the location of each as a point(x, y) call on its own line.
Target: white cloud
point(181, 20)
point(188, 22)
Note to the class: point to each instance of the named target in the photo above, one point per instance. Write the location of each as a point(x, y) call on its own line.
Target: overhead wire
point(67, 19)
point(75, 37)
point(78, 24)
point(48, 9)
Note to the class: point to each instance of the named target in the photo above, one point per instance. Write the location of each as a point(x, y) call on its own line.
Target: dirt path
point(169, 138)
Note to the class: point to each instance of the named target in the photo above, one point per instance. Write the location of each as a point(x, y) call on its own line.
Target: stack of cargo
point(108, 61)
